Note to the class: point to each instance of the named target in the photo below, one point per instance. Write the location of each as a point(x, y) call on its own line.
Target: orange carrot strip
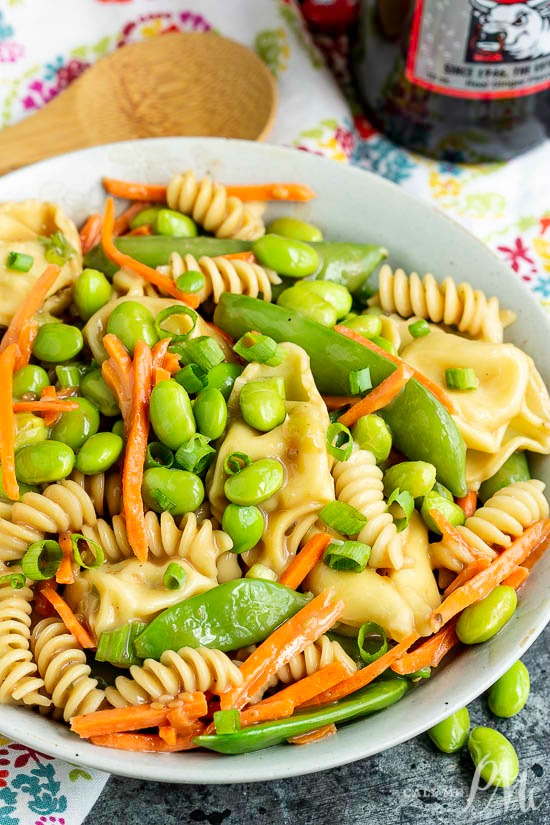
point(144, 229)
point(517, 577)
point(267, 711)
point(249, 257)
point(28, 333)
point(481, 585)
point(534, 556)
point(379, 397)
point(156, 193)
point(163, 282)
point(430, 385)
point(172, 363)
point(119, 720)
point(311, 686)
point(70, 620)
point(272, 192)
point(168, 734)
point(313, 735)
point(7, 423)
point(287, 641)
point(468, 503)
point(60, 405)
point(116, 350)
point(136, 449)
point(304, 562)
point(147, 742)
point(121, 390)
point(468, 572)
point(334, 402)
point(159, 352)
point(160, 374)
point(449, 531)
point(65, 573)
point(31, 304)
point(122, 223)
point(90, 233)
point(429, 653)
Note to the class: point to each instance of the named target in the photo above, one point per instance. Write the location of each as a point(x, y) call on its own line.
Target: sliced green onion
point(117, 646)
point(163, 501)
point(16, 580)
point(195, 455)
point(334, 415)
point(461, 378)
point(423, 673)
point(235, 462)
point(174, 576)
point(343, 518)
point(339, 441)
point(19, 262)
point(68, 375)
point(158, 455)
point(42, 560)
point(420, 328)
point(253, 346)
point(203, 351)
point(406, 502)
point(347, 555)
point(372, 642)
point(359, 381)
point(192, 281)
point(192, 378)
point(177, 309)
point(58, 249)
point(227, 721)
point(384, 344)
point(91, 548)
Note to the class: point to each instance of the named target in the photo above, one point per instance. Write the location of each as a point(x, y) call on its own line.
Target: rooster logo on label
point(502, 31)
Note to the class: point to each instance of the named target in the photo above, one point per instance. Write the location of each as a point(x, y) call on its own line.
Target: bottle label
point(480, 48)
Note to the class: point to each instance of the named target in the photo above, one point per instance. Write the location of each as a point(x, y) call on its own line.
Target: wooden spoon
point(174, 84)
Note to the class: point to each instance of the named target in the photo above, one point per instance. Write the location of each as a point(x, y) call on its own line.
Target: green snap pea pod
point(223, 376)
point(95, 389)
point(451, 511)
point(99, 453)
point(421, 427)
point(451, 733)
point(295, 228)
point(417, 477)
point(287, 256)
point(57, 342)
point(372, 433)
point(245, 526)
point(31, 378)
point(210, 411)
point(482, 620)
point(262, 407)
point(29, 429)
point(175, 491)
point(310, 306)
point(228, 617)
point(256, 482)
point(43, 463)
point(171, 414)
point(132, 322)
point(510, 693)
point(515, 468)
point(75, 426)
point(91, 291)
point(349, 264)
point(374, 697)
point(494, 757)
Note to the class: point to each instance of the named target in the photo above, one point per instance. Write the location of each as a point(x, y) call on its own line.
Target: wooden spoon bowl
point(175, 84)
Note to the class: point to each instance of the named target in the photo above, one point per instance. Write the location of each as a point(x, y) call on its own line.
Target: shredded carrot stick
point(49, 395)
point(70, 620)
point(156, 193)
point(429, 653)
point(517, 577)
point(116, 350)
point(267, 712)
point(163, 282)
point(160, 374)
point(334, 402)
point(468, 503)
point(272, 192)
point(180, 718)
point(144, 229)
point(287, 641)
point(172, 363)
point(90, 233)
point(65, 573)
point(148, 742)
point(314, 735)
point(430, 385)
point(449, 531)
point(28, 333)
point(379, 397)
point(117, 374)
point(249, 257)
point(119, 720)
point(159, 352)
point(31, 304)
point(122, 223)
point(481, 585)
point(60, 405)
point(304, 562)
point(168, 734)
point(310, 686)
point(471, 570)
point(7, 423)
point(534, 556)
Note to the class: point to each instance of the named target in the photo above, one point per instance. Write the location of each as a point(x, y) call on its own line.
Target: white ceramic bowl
point(351, 205)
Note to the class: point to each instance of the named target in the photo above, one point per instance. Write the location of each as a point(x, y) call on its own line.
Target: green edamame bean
point(245, 526)
point(336, 295)
point(256, 483)
point(451, 733)
point(222, 377)
point(191, 281)
point(443, 491)
point(309, 305)
point(145, 218)
point(370, 326)
point(118, 428)
point(417, 477)
point(75, 426)
point(175, 491)
point(132, 322)
point(92, 290)
point(510, 693)
point(210, 411)
point(31, 378)
point(171, 414)
point(262, 405)
point(175, 224)
point(292, 258)
point(451, 511)
point(372, 433)
point(95, 389)
point(43, 463)
point(482, 620)
point(99, 453)
point(494, 756)
point(29, 429)
point(296, 229)
point(57, 342)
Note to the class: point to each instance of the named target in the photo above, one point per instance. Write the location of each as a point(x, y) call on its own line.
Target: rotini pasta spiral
point(129, 285)
point(224, 275)
point(187, 670)
point(209, 205)
point(104, 489)
point(62, 664)
point(358, 481)
point(460, 305)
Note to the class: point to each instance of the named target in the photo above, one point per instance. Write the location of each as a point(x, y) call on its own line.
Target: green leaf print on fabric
point(272, 47)
point(292, 17)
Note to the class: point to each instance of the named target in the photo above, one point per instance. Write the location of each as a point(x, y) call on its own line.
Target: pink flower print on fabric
point(149, 25)
point(57, 76)
point(517, 255)
point(10, 51)
point(44, 820)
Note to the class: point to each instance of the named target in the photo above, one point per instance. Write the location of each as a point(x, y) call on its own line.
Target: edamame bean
point(451, 511)
point(29, 429)
point(262, 405)
point(91, 291)
point(245, 526)
point(145, 218)
point(372, 433)
point(118, 428)
point(99, 453)
point(369, 326)
point(494, 756)
point(417, 477)
point(222, 377)
point(451, 733)
point(75, 426)
point(43, 463)
point(336, 295)
point(510, 693)
point(31, 378)
point(256, 482)
point(295, 259)
point(95, 389)
point(132, 322)
point(175, 224)
point(57, 342)
point(210, 411)
point(171, 414)
point(191, 281)
point(176, 491)
point(295, 228)
point(482, 620)
point(309, 305)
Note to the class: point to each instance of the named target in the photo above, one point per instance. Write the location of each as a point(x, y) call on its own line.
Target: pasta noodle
point(128, 284)
point(104, 490)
